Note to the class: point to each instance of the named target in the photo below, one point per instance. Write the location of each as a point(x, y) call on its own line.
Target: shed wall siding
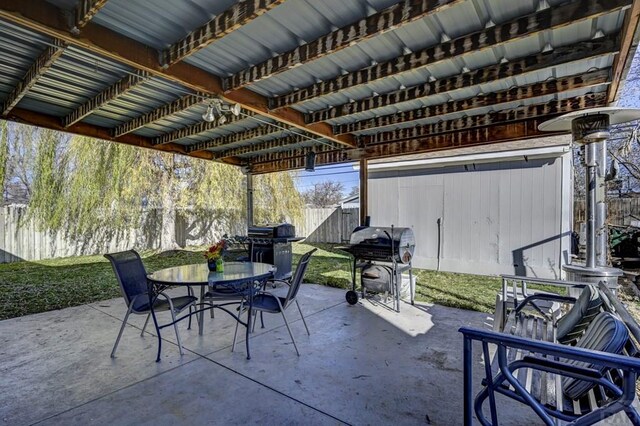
point(496, 218)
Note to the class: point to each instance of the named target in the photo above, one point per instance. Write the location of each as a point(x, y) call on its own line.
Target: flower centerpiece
point(214, 256)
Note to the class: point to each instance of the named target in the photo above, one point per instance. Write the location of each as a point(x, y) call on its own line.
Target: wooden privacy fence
point(620, 211)
point(328, 225)
point(20, 238)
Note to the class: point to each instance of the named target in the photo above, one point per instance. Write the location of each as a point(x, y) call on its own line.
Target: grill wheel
point(352, 297)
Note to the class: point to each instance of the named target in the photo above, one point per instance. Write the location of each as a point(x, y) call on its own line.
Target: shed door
point(420, 207)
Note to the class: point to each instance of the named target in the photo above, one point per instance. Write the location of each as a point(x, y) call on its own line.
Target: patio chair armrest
point(606, 359)
point(277, 299)
point(544, 296)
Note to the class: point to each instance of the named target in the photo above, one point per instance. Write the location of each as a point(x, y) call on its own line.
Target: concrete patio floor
point(362, 364)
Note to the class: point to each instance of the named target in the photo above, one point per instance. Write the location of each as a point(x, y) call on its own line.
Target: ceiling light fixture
point(209, 116)
point(310, 162)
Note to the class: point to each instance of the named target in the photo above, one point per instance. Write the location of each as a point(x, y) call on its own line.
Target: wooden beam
point(257, 132)
point(231, 19)
point(628, 46)
point(392, 18)
point(364, 190)
point(50, 122)
point(86, 10)
point(45, 18)
point(260, 147)
point(549, 87)
point(550, 18)
point(536, 110)
point(166, 110)
point(563, 55)
point(121, 87)
point(199, 127)
point(35, 71)
point(490, 129)
point(507, 132)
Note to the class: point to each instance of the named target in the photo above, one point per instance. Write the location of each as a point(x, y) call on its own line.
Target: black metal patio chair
point(132, 278)
point(264, 301)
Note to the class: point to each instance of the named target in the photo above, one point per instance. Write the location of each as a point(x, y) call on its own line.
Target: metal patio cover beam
point(231, 19)
point(86, 10)
point(121, 87)
point(391, 18)
point(549, 87)
point(257, 132)
point(50, 122)
point(35, 71)
point(45, 18)
point(495, 117)
point(535, 23)
point(260, 147)
point(491, 128)
point(159, 113)
point(199, 127)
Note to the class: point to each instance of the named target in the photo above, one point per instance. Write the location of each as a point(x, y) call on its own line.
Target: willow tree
point(4, 155)
point(98, 190)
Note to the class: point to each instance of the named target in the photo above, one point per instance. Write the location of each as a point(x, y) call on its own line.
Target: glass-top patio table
point(238, 279)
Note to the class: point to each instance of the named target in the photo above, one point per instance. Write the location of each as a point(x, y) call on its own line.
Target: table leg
point(201, 315)
point(155, 322)
point(249, 313)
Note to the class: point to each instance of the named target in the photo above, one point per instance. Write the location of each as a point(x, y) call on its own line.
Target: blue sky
point(343, 173)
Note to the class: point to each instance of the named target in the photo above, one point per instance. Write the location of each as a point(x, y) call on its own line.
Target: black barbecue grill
point(393, 246)
point(272, 244)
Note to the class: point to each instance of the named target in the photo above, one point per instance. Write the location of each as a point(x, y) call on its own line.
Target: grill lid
point(383, 243)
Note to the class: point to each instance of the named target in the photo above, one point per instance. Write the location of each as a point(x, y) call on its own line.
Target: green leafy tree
point(4, 155)
point(96, 191)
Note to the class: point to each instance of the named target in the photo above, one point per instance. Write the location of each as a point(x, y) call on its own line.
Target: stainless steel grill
point(382, 244)
point(392, 246)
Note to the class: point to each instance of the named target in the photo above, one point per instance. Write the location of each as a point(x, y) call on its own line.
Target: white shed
point(487, 213)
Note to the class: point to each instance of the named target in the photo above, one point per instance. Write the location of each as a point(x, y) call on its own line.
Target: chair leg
point(124, 323)
point(212, 314)
point(255, 317)
point(302, 316)
point(190, 313)
point(175, 327)
point(145, 324)
point(235, 334)
point(290, 333)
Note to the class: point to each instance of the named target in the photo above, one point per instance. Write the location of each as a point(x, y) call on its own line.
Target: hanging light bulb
point(222, 120)
point(209, 116)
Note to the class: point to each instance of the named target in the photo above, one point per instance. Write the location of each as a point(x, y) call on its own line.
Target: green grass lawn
point(32, 287)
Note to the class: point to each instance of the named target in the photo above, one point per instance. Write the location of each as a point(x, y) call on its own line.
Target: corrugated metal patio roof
point(334, 81)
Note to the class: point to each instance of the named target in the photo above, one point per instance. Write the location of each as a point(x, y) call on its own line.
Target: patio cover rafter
point(495, 117)
point(36, 70)
point(629, 43)
point(121, 87)
point(562, 55)
point(257, 132)
point(86, 10)
point(45, 18)
point(543, 20)
point(260, 147)
point(549, 87)
point(231, 19)
point(391, 18)
point(164, 111)
point(50, 122)
point(197, 128)
point(490, 130)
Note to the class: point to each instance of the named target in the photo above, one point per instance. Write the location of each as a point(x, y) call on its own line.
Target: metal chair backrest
point(132, 277)
point(296, 281)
